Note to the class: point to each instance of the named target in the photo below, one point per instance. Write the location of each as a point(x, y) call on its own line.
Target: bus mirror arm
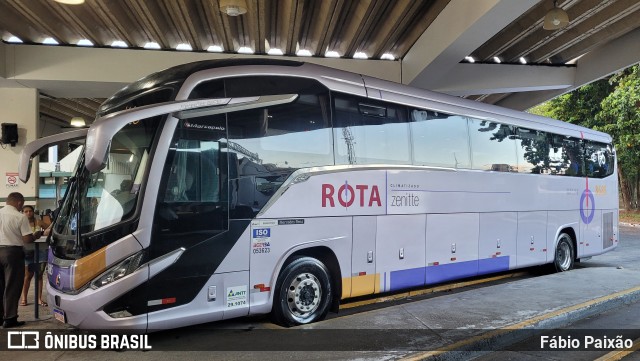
point(38, 146)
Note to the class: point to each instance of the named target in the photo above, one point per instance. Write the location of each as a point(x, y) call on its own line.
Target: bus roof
point(342, 81)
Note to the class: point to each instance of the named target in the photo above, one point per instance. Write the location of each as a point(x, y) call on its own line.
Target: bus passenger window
point(598, 159)
point(533, 151)
point(565, 156)
point(492, 146)
point(370, 132)
point(439, 140)
point(266, 145)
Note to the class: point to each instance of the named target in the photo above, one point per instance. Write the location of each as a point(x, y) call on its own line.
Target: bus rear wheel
point(304, 293)
point(565, 253)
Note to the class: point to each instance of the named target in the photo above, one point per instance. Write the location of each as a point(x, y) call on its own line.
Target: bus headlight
point(118, 271)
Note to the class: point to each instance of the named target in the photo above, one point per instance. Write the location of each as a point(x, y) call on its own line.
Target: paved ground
point(471, 319)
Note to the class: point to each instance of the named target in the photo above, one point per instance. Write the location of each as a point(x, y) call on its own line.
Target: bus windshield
point(99, 200)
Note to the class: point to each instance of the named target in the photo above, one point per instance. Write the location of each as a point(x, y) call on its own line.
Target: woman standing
point(29, 259)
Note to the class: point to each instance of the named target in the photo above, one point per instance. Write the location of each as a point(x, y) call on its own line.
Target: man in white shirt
point(15, 232)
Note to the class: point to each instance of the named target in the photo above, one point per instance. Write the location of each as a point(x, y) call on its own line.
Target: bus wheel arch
point(565, 251)
point(307, 270)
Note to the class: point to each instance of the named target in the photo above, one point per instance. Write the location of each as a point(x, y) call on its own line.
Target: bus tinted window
point(439, 140)
point(565, 156)
point(370, 132)
point(283, 137)
point(598, 160)
point(532, 148)
point(492, 146)
point(248, 86)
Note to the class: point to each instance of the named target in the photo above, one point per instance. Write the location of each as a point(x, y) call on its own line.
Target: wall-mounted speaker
point(10, 133)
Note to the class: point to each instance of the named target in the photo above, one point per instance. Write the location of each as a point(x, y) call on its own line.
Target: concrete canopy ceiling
point(429, 41)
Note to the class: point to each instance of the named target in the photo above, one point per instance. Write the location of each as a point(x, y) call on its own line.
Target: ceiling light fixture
point(387, 56)
point(77, 122)
point(233, 7)
point(304, 52)
point(14, 39)
point(184, 47)
point(332, 54)
point(50, 41)
point(523, 60)
point(152, 45)
point(119, 44)
point(215, 49)
point(470, 59)
point(70, 2)
point(84, 42)
point(360, 55)
point(556, 18)
point(497, 59)
point(275, 51)
point(245, 50)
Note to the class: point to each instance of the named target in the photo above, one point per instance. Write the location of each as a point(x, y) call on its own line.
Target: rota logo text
point(359, 195)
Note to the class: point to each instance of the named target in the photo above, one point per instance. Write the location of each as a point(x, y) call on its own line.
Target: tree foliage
point(612, 106)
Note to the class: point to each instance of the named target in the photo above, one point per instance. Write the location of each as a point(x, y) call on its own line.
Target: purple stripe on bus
point(406, 278)
point(492, 265)
point(451, 271)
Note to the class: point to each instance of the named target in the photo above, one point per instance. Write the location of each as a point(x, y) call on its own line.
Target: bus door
point(192, 213)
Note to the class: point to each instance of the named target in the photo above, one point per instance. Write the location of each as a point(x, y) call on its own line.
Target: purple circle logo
point(589, 209)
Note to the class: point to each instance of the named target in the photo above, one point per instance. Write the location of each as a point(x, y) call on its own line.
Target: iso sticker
point(236, 297)
point(261, 240)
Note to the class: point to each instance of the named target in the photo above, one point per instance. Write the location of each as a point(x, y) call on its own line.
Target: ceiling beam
point(473, 79)
point(72, 72)
point(456, 33)
point(597, 64)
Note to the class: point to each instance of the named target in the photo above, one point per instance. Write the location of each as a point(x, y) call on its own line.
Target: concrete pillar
point(20, 106)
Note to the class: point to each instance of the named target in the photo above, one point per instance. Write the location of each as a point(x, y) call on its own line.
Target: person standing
point(30, 267)
point(15, 232)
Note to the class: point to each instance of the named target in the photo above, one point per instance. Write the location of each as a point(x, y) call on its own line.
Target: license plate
point(58, 314)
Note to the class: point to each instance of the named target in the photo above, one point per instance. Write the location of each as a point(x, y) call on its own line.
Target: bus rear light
point(118, 271)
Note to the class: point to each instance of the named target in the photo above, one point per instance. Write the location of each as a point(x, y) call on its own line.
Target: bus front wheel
point(303, 292)
point(565, 253)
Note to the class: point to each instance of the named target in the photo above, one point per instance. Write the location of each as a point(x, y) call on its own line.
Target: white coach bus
point(220, 189)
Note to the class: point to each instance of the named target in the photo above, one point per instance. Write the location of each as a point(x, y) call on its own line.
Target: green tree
point(620, 117)
point(579, 106)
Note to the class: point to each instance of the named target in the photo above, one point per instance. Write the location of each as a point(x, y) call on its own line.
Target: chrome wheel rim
point(563, 255)
point(304, 295)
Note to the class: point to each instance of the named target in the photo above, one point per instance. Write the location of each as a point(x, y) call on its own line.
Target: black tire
point(565, 254)
point(303, 293)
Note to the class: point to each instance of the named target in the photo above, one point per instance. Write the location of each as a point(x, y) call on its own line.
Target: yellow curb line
point(443, 288)
point(619, 355)
point(520, 325)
